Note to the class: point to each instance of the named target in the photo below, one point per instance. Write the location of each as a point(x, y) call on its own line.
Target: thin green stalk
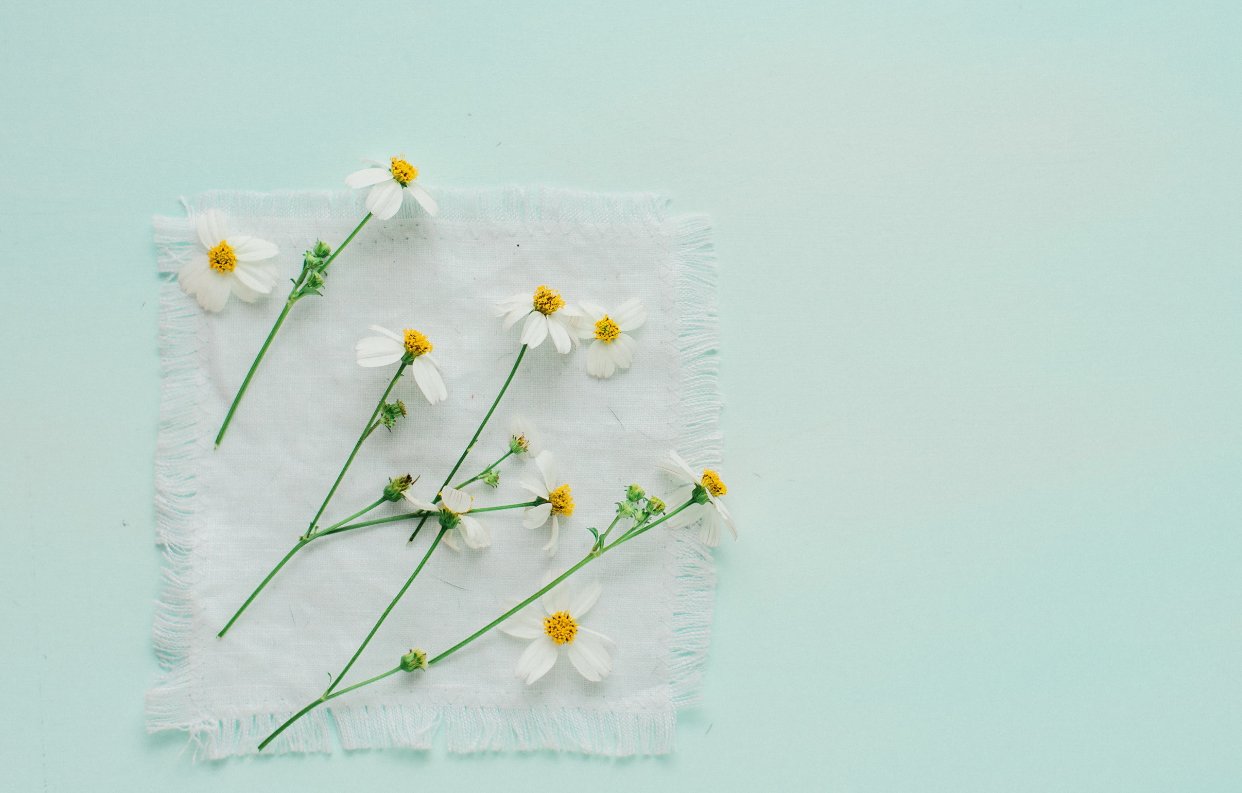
point(485, 471)
point(594, 554)
point(470, 446)
point(302, 542)
point(366, 433)
point(425, 514)
point(295, 295)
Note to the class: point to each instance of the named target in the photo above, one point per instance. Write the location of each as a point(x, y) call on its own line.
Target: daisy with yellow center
point(454, 509)
point(612, 347)
point(547, 315)
point(554, 627)
point(411, 346)
point(389, 186)
point(228, 264)
point(555, 497)
point(707, 489)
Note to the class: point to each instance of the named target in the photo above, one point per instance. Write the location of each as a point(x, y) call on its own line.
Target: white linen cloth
point(226, 515)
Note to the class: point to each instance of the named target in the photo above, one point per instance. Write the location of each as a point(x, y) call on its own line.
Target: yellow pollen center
point(712, 483)
point(402, 171)
point(416, 344)
point(560, 627)
point(222, 258)
point(520, 440)
point(562, 501)
point(547, 301)
point(606, 330)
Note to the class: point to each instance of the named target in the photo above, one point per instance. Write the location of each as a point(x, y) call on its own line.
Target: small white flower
point(388, 187)
point(713, 513)
point(389, 348)
point(454, 509)
point(553, 624)
point(240, 265)
point(613, 347)
point(546, 313)
point(524, 437)
point(558, 500)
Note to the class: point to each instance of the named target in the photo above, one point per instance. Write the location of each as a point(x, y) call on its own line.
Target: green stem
point(392, 604)
point(294, 296)
point(485, 471)
point(425, 514)
point(366, 433)
point(329, 694)
point(521, 354)
point(322, 700)
point(303, 541)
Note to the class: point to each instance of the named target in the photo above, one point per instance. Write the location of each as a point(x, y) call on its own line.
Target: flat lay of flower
point(229, 264)
point(554, 627)
point(389, 186)
point(555, 497)
point(612, 347)
point(545, 314)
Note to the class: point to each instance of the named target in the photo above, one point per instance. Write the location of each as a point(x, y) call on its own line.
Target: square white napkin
point(227, 515)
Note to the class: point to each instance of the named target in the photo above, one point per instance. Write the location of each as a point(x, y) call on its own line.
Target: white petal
point(457, 501)
point(367, 177)
point(503, 307)
point(709, 532)
point(384, 199)
point(474, 532)
point(420, 503)
point(599, 360)
point(630, 315)
point(583, 599)
point(677, 468)
point(535, 662)
point(534, 488)
point(190, 273)
point(390, 334)
point(378, 351)
point(526, 624)
point(429, 380)
point(534, 517)
point(592, 311)
point(244, 292)
point(255, 277)
point(535, 330)
point(550, 548)
point(724, 515)
point(212, 290)
point(450, 539)
point(423, 198)
point(555, 599)
point(252, 249)
point(688, 515)
point(212, 228)
point(559, 331)
point(590, 656)
point(623, 350)
point(546, 463)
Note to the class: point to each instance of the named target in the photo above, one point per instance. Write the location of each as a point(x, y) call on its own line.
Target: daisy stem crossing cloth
point(226, 515)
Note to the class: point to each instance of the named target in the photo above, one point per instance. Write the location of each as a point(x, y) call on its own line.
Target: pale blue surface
point(981, 292)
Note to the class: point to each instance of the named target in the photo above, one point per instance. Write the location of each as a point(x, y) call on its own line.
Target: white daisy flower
point(524, 437)
point(546, 313)
point(553, 624)
point(712, 511)
point(389, 186)
point(558, 499)
point(389, 348)
point(613, 347)
point(454, 509)
point(235, 264)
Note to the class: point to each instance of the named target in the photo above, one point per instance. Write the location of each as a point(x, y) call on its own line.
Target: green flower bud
point(634, 494)
point(656, 506)
point(492, 478)
point(414, 659)
point(391, 411)
point(396, 486)
point(322, 250)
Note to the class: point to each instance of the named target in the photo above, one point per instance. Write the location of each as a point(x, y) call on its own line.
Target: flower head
point(413, 347)
point(554, 627)
point(389, 186)
point(524, 437)
point(546, 314)
point(228, 264)
point(706, 489)
point(613, 346)
point(397, 486)
point(455, 518)
point(414, 659)
point(555, 499)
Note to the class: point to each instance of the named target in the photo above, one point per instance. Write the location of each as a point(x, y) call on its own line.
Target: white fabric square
point(227, 515)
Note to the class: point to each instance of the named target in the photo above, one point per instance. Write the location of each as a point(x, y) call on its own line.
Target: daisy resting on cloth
point(454, 509)
point(389, 348)
point(229, 264)
point(389, 186)
point(547, 315)
point(710, 488)
point(613, 347)
point(558, 499)
point(553, 624)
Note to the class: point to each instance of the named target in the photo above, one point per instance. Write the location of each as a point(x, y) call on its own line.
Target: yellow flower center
point(222, 258)
point(521, 441)
point(402, 171)
point(416, 344)
point(560, 627)
point(548, 301)
point(606, 330)
point(712, 483)
point(562, 501)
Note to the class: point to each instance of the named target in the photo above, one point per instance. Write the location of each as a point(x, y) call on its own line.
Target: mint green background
point(981, 295)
